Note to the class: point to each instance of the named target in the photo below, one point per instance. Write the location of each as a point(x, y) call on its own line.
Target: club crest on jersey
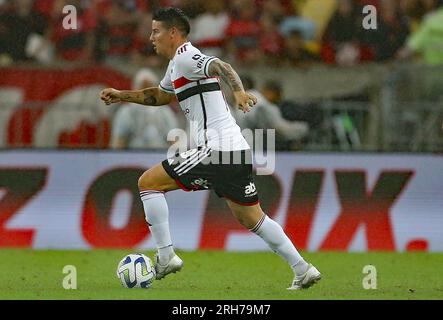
point(250, 189)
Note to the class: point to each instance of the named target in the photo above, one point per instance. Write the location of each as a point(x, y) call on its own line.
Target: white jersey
point(202, 100)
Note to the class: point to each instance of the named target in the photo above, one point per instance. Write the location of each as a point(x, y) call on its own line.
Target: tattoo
point(148, 97)
point(125, 97)
point(227, 73)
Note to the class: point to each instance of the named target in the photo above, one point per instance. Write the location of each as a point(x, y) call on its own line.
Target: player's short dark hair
point(173, 17)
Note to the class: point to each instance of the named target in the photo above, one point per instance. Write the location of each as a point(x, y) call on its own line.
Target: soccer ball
point(136, 271)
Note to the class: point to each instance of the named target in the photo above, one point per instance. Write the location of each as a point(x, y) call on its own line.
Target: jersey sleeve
point(195, 66)
point(166, 82)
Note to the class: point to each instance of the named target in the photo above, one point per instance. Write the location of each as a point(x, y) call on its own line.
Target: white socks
point(157, 217)
point(272, 233)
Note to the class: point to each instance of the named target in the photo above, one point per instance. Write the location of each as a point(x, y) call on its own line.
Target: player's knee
point(248, 216)
point(246, 222)
point(240, 219)
point(244, 219)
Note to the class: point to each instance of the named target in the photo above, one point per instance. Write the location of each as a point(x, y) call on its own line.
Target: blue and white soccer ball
point(136, 271)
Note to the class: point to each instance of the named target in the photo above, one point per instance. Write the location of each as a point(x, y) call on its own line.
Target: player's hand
point(110, 95)
point(245, 100)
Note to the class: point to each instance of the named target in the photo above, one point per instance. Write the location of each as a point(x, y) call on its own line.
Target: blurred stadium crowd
point(251, 34)
point(288, 32)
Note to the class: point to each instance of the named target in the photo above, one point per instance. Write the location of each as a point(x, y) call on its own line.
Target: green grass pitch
point(216, 275)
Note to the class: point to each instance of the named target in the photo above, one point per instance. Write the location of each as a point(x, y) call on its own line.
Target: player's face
point(160, 38)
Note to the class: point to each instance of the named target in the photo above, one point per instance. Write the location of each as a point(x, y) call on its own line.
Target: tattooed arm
point(149, 96)
point(224, 70)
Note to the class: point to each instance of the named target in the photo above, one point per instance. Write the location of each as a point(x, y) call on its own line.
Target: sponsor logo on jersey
point(200, 182)
point(200, 60)
point(250, 189)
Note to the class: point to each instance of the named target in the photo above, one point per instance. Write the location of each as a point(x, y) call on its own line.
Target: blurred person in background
point(19, 24)
point(243, 32)
point(273, 8)
point(74, 44)
point(266, 115)
point(208, 28)
point(294, 52)
point(290, 110)
point(192, 8)
point(271, 41)
point(427, 40)
point(391, 33)
point(292, 20)
point(417, 10)
point(118, 29)
point(340, 42)
point(138, 127)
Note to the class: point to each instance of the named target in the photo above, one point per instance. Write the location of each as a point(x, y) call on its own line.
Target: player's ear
point(173, 32)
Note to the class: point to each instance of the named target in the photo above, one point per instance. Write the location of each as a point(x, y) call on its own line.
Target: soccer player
point(192, 77)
